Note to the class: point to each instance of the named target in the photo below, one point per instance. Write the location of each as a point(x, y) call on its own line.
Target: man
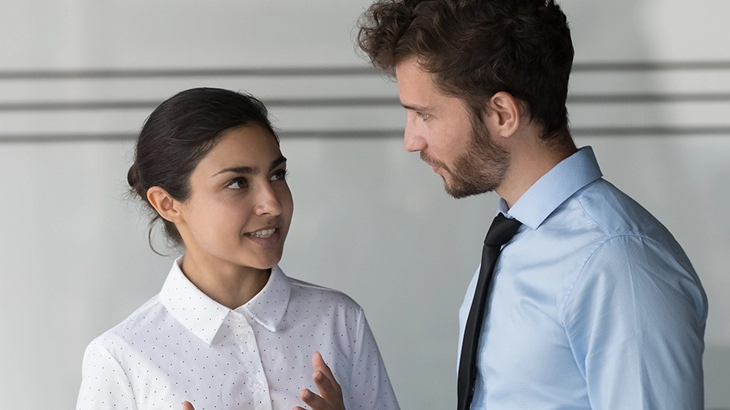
point(593, 304)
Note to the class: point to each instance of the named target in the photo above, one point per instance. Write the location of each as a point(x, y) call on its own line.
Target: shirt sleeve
point(104, 384)
point(370, 386)
point(635, 320)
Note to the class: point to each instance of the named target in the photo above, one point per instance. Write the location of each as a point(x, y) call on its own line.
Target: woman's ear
point(164, 204)
point(504, 114)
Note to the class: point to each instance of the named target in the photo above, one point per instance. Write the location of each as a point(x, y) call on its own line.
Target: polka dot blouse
point(182, 345)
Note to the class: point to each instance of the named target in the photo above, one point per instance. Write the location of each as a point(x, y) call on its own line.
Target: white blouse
point(182, 345)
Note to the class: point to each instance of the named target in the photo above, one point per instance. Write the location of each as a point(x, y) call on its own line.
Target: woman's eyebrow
point(246, 170)
point(275, 163)
point(238, 170)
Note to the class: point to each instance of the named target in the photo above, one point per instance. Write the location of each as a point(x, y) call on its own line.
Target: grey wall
point(650, 92)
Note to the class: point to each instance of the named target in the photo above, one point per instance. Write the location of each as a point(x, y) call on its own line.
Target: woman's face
point(240, 207)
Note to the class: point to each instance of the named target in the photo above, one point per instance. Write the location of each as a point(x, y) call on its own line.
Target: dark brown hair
point(179, 133)
point(476, 48)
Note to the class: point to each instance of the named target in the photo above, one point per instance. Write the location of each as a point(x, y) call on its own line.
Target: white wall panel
point(650, 91)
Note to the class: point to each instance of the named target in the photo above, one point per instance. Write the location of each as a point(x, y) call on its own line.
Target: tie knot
point(501, 231)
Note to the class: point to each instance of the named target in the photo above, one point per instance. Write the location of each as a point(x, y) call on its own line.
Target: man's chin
point(459, 192)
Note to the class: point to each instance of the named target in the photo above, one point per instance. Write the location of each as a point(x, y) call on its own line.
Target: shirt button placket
point(250, 351)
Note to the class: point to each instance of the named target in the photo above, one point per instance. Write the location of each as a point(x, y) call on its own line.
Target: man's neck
point(529, 161)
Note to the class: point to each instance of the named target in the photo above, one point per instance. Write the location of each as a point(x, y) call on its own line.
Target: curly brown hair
point(476, 48)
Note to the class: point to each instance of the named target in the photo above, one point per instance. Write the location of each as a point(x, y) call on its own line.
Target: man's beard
point(480, 169)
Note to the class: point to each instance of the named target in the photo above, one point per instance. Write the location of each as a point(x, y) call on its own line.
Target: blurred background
point(650, 92)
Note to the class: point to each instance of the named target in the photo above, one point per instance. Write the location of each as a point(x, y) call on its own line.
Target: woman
point(228, 329)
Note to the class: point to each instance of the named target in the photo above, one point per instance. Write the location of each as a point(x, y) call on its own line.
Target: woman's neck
point(228, 284)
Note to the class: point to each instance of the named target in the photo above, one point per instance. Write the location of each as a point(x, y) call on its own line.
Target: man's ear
point(164, 204)
point(503, 114)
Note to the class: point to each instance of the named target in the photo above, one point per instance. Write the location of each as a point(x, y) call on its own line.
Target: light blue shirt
point(594, 305)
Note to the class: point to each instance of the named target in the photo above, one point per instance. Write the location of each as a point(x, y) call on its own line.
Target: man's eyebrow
point(414, 107)
point(246, 170)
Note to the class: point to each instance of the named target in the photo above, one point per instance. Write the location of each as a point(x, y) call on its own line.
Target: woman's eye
point(279, 175)
point(237, 183)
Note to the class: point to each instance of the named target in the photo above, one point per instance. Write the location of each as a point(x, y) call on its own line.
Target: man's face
point(440, 127)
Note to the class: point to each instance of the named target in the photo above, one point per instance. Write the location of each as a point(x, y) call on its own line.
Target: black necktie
point(501, 231)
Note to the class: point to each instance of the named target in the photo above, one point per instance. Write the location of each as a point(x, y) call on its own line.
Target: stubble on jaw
point(480, 169)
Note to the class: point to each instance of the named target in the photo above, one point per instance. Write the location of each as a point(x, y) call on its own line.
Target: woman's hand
point(330, 393)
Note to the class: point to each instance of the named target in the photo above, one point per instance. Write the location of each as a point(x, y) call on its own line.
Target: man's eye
point(423, 115)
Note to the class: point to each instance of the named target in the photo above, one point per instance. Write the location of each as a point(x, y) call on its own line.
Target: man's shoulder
point(612, 211)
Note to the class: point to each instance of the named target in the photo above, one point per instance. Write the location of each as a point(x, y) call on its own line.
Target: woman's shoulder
point(324, 295)
point(144, 316)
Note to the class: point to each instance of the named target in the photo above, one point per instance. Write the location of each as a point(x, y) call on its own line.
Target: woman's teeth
point(264, 233)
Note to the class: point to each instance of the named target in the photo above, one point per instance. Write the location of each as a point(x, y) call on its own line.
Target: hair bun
point(133, 179)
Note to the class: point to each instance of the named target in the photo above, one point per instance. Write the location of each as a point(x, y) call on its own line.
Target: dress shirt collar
point(553, 188)
point(203, 316)
point(269, 306)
